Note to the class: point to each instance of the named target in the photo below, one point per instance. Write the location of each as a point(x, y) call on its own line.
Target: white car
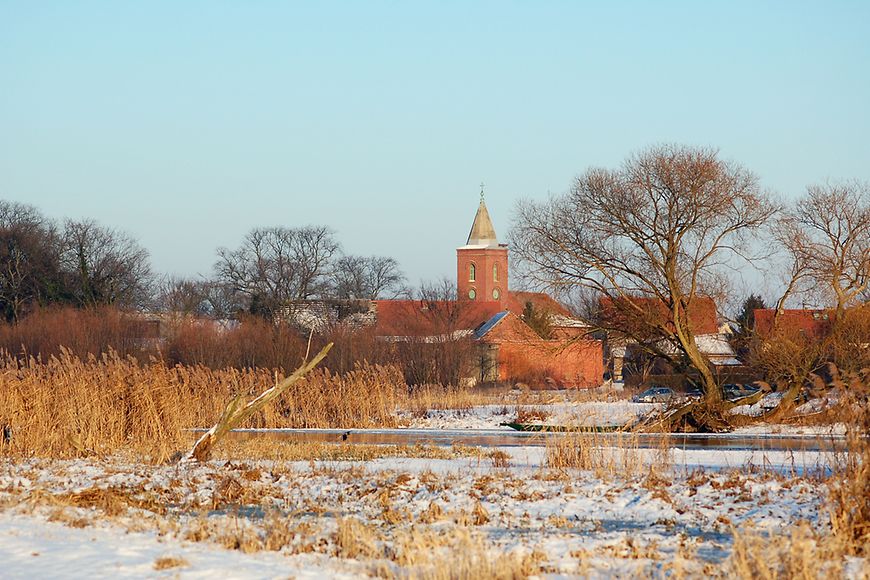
point(654, 395)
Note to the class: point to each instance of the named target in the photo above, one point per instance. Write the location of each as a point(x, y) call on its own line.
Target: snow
point(613, 519)
point(586, 414)
point(603, 413)
point(32, 547)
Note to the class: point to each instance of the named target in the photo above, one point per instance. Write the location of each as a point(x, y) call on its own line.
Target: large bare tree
point(275, 265)
point(371, 277)
point(104, 266)
point(826, 235)
point(184, 296)
point(660, 230)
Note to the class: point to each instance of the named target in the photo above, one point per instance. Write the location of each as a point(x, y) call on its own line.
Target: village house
point(625, 345)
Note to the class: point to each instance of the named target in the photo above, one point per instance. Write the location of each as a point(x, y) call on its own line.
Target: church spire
point(482, 232)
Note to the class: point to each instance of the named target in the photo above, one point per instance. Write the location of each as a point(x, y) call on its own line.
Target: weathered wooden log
point(235, 413)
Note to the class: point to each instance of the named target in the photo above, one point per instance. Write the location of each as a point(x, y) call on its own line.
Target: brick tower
point(482, 263)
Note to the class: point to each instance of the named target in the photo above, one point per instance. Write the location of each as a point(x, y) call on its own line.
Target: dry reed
point(618, 455)
point(69, 407)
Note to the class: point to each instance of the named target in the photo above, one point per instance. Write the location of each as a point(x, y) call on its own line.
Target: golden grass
point(67, 407)
point(270, 448)
point(807, 552)
point(799, 553)
point(618, 455)
point(169, 562)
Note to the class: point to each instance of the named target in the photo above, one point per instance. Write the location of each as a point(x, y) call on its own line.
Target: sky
point(186, 124)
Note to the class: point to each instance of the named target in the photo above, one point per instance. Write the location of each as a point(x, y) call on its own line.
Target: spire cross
point(482, 185)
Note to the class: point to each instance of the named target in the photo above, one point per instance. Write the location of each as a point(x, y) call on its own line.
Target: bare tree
point(826, 235)
point(29, 259)
point(274, 265)
point(436, 348)
point(360, 277)
point(660, 229)
point(104, 266)
point(186, 296)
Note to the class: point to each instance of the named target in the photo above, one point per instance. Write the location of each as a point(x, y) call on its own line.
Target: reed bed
point(606, 457)
point(67, 407)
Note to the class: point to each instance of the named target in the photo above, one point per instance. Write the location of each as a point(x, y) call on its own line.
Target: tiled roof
point(811, 323)
point(428, 318)
point(516, 303)
point(702, 314)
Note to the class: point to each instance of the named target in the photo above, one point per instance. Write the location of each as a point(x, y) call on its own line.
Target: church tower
point(482, 263)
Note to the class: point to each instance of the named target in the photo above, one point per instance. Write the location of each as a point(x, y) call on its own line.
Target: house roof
point(702, 314)
point(484, 328)
point(431, 317)
point(506, 327)
point(809, 322)
point(516, 303)
point(715, 346)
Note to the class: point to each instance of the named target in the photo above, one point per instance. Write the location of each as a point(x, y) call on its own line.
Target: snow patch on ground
point(584, 414)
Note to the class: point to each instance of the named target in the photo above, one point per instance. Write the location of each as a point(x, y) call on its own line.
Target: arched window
point(472, 273)
point(495, 272)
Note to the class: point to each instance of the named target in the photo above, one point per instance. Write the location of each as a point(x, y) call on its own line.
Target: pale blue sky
point(188, 123)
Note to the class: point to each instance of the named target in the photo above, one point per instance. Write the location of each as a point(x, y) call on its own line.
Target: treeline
point(77, 263)
point(249, 343)
point(81, 263)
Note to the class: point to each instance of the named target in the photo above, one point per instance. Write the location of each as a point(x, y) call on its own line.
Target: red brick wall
point(484, 259)
point(524, 356)
point(579, 363)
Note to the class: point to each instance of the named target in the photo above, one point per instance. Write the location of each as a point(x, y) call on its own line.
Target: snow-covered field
point(587, 414)
point(582, 414)
point(502, 511)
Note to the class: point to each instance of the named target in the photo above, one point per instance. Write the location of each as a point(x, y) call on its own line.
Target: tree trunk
point(233, 415)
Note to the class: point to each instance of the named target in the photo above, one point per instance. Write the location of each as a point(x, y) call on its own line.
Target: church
point(496, 321)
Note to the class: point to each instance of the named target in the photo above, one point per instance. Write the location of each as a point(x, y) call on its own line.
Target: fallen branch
point(235, 414)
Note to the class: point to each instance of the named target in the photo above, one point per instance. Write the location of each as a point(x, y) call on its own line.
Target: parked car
point(654, 395)
point(735, 392)
point(693, 394)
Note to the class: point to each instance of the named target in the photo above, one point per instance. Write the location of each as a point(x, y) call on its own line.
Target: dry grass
point(68, 407)
point(850, 484)
point(800, 553)
point(526, 414)
point(807, 552)
point(606, 457)
point(72, 407)
point(270, 448)
point(428, 554)
point(169, 562)
point(435, 397)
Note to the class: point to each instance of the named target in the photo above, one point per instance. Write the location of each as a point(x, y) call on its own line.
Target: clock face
point(495, 293)
point(472, 294)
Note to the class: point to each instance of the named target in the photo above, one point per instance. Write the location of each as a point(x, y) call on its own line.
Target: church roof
point(431, 317)
point(482, 232)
